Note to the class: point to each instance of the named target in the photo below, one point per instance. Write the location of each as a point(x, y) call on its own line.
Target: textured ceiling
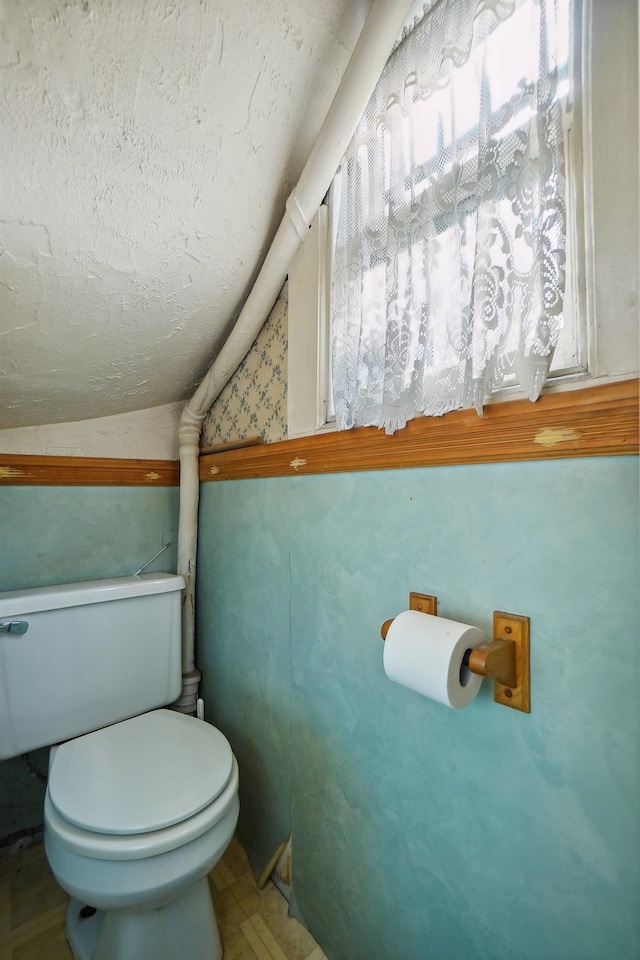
point(148, 149)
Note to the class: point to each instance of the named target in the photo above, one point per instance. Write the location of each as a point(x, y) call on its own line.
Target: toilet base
point(183, 927)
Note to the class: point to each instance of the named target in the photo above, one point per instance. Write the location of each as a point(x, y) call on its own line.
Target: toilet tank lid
point(141, 774)
point(37, 599)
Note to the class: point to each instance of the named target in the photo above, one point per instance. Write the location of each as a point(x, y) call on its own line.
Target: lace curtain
point(450, 218)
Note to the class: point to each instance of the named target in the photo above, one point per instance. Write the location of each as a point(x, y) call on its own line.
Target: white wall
point(614, 175)
point(145, 434)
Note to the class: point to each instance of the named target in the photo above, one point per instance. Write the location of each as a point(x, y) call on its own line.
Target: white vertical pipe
point(380, 32)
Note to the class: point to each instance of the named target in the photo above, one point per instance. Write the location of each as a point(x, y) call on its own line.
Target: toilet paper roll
point(424, 653)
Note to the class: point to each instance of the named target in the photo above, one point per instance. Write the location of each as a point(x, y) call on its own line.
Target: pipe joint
point(189, 433)
point(187, 701)
point(190, 423)
point(296, 215)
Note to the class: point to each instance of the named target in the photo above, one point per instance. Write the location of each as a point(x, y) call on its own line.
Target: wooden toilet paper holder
point(505, 658)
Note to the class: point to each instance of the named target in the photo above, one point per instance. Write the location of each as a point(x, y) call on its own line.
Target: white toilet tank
point(91, 654)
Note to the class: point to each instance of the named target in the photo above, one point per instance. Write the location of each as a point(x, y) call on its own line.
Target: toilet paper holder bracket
point(422, 602)
point(505, 659)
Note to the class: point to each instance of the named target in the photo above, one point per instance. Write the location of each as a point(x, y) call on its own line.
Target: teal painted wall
point(420, 831)
point(62, 534)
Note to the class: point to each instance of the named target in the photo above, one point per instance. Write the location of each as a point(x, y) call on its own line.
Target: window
point(614, 330)
point(450, 253)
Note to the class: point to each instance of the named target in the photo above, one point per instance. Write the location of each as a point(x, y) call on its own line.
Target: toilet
point(141, 801)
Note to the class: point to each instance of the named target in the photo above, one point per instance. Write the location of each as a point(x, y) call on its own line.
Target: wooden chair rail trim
point(16, 469)
point(596, 421)
point(592, 422)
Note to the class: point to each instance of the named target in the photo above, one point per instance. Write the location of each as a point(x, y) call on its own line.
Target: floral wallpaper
point(255, 399)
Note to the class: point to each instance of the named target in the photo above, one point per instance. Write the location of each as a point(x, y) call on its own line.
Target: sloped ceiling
point(148, 149)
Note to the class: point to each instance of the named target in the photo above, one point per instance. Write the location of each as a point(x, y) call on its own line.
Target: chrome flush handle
point(17, 627)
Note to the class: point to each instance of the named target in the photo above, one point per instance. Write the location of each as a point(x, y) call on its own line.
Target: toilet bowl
point(136, 815)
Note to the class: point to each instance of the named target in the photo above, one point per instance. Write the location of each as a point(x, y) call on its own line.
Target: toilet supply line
point(31, 770)
point(379, 34)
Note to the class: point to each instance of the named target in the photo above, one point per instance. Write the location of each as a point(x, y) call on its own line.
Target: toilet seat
point(122, 779)
point(106, 846)
point(112, 793)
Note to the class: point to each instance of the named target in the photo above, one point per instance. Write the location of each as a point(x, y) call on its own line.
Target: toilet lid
point(140, 775)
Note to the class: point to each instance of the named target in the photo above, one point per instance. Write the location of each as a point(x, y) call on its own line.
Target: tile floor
point(254, 924)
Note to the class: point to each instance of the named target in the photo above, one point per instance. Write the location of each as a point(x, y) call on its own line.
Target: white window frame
point(308, 333)
point(608, 338)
